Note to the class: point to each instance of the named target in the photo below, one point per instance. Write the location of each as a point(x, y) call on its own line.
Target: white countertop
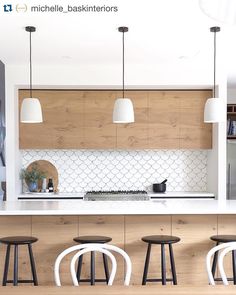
point(153, 207)
point(151, 194)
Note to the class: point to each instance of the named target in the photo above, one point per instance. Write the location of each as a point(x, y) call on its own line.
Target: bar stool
point(16, 241)
point(160, 240)
point(93, 239)
point(224, 239)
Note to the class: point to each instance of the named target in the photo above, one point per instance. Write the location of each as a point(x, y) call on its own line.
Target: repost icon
point(7, 8)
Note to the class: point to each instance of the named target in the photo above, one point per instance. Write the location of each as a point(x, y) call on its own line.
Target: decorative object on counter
point(31, 176)
point(123, 111)
point(44, 185)
point(50, 173)
point(214, 111)
point(50, 186)
point(159, 187)
point(31, 111)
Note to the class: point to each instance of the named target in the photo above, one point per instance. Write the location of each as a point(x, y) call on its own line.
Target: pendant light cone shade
point(214, 111)
point(31, 111)
point(123, 111)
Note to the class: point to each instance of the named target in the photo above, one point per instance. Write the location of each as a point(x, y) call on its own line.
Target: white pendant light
point(214, 111)
point(31, 111)
point(123, 111)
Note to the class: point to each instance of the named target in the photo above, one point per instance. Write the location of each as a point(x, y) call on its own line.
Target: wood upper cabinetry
point(75, 119)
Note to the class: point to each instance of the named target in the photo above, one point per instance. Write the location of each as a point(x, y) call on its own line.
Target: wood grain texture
point(118, 290)
point(63, 121)
point(99, 132)
point(55, 234)
point(190, 252)
point(15, 226)
point(111, 226)
point(135, 229)
point(226, 226)
point(83, 119)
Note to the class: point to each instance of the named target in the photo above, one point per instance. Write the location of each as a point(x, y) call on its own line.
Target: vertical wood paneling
point(190, 252)
point(226, 226)
point(111, 226)
point(99, 130)
point(83, 119)
point(163, 114)
point(15, 226)
point(135, 228)
point(194, 133)
point(55, 234)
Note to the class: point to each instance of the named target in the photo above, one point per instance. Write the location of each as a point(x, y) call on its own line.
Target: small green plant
point(32, 175)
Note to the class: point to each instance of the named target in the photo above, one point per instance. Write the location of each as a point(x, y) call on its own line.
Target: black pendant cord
point(123, 38)
point(30, 67)
point(214, 89)
point(214, 30)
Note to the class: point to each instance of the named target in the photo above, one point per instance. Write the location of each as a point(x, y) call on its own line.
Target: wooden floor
point(115, 290)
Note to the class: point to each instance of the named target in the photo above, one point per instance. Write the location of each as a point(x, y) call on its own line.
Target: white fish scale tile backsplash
point(82, 170)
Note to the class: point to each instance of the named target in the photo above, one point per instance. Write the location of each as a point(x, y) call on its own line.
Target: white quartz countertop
point(151, 194)
point(153, 207)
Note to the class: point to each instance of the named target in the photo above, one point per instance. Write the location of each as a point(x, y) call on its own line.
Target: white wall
point(231, 95)
point(94, 77)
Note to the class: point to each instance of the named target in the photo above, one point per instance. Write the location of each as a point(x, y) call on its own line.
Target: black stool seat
point(15, 242)
point(161, 239)
point(18, 240)
point(224, 238)
point(92, 239)
point(89, 240)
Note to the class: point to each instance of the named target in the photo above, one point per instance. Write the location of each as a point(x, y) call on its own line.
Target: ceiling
point(162, 33)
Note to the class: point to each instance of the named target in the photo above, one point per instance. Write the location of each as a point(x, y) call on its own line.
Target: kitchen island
point(56, 223)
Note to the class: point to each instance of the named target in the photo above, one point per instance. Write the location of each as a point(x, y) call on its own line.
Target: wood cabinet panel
point(55, 234)
point(135, 229)
point(77, 119)
point(99, 132)
point(194, 133)
point(190, 252)
point(63, 115)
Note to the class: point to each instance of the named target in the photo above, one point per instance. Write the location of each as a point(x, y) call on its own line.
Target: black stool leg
point(106, 269)
point(172, 263)
point(163, 265)
point(214, 263)
point(146, 265)
point(79, 268)
point(6, 267)
point(32, 263)
point(15, 276)
point(92, 270)
point(234, 265)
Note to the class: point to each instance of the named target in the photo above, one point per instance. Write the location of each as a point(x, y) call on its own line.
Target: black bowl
point(159, 187)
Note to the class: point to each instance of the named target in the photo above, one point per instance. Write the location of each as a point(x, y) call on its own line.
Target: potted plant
point(32, 176)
